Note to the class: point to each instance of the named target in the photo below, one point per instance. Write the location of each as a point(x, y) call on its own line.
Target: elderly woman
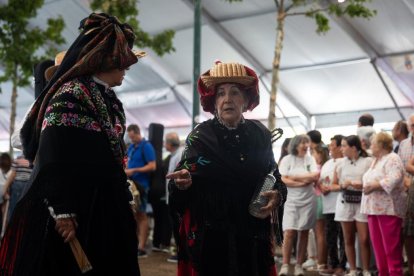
point(348, 178)
point(74, 136)
point(299, 172)
point(225, 160)
point(384, 201)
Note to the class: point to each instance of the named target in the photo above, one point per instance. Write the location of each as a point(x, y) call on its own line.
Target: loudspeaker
point(156, 136)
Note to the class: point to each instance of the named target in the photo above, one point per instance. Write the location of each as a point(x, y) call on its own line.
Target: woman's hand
point(346, 184)
point(273, 201)
point(181, 178)
point(371, 187)
point(325, 189)
point(66, 227)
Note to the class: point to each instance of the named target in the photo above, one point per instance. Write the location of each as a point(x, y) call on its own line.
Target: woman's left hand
point(273, 198)
point(371, 187)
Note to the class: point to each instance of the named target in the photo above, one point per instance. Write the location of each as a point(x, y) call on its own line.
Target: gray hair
point(364, 133)
point(295, 142)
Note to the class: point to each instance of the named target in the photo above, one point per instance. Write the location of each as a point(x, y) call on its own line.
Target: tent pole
point(196, 61)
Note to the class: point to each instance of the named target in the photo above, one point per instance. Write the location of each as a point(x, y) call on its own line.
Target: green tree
point(126, 11)
point(316, 9)
point(20, 42)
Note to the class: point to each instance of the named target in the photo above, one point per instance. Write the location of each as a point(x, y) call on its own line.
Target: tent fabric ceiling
point(330, 77)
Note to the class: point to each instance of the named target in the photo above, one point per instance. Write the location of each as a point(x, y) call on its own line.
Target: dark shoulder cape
point(76, 172)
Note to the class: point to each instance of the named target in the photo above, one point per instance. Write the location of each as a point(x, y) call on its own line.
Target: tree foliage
point(126, 11)
point(20, 44)
point(319, 10)
point(19, 41)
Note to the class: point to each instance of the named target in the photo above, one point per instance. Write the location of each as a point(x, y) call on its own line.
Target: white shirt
point(326, 178)
point(292, 165)
point(174, 160)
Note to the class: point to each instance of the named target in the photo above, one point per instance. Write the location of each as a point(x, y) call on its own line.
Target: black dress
point(77, 171)
point(217, 235)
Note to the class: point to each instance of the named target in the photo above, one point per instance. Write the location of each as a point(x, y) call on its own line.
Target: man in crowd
point(172, 144)
point(406, 152)
point(141, 162)
point(399, 133)
point(365, 131)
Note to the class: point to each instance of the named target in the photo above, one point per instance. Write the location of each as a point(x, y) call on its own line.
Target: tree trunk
point(276, 65)
point(13, 109)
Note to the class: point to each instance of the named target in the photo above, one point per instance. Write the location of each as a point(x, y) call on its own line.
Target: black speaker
point(156, 136)
point(157, 186)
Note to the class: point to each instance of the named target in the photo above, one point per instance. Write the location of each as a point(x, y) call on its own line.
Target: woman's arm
point(335, 187)
point(306, 178)
point(290, 182)
point(410, 166)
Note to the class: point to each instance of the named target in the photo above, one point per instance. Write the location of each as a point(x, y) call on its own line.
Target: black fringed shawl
point(226, 166)
point(76, 172)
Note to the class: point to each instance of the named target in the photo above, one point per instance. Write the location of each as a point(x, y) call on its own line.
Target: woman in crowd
point(299, 173)
point(77, 115)
point(333, 231)
point(17, 182)
point(321, 155)
point(225, 160)
point(384, 201)
point(348, 177)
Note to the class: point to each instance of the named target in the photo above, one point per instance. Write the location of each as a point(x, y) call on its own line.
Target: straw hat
point(52, 69)
point(227, 73)
point(59, 57)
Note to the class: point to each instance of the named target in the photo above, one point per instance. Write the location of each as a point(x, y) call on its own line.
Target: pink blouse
point(389, 172)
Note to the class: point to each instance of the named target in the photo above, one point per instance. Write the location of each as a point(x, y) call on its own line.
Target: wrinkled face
point(230, 103)
point(302, 148)
point(113, 77)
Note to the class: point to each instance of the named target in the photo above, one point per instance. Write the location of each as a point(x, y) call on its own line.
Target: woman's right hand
point(181, 178)
point(66, 227)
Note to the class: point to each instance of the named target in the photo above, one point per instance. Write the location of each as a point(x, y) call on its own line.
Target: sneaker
point(142, 254)
point(284, 270)
point(173, 259)
point(161, 248)
point(366, 273)
point(352, 273)
point(310, 264)
point(299, 270)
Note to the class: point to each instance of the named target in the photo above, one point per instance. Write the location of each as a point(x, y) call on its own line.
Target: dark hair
point(366, 120)
point(5, 158)
point(315, 136)
point(402, 127)
point(324, 152)
point(284, 151)
point(354, 141)
point(134, 128)
point(296, 141)
point(338, 139)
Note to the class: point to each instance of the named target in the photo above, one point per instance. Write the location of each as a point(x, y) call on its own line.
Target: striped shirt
point(22, 169)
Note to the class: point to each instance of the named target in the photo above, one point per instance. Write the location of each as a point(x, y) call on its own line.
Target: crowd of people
point(344, 208)
point(361, 191)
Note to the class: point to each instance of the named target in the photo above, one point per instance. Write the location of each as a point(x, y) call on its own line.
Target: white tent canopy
point(326, 80)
